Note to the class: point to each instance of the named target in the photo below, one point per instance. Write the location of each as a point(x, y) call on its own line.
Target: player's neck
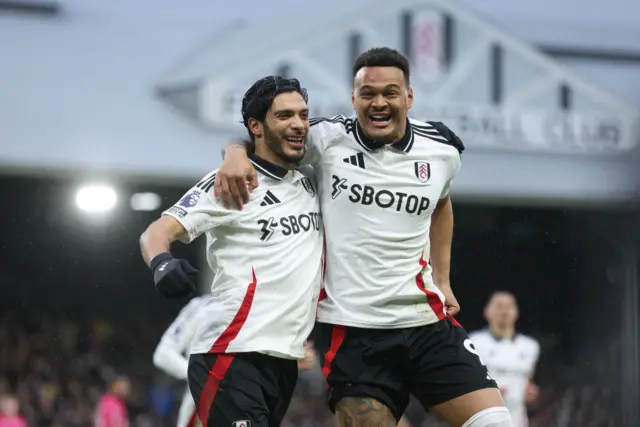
point(263, 152)
point(401, 135)
point(506, 332)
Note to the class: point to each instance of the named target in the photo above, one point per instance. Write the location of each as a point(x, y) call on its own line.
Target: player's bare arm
point(236, 177)
point(532, 392)
point(363, 412)
point(174, 278)
point(159, 236)
point(441, 236)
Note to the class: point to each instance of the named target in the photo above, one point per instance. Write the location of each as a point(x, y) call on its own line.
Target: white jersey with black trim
point(511, 362)
point(266, 259)
point(376, 202)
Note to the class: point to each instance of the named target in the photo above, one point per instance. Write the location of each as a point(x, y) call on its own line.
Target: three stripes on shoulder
point(207, 182)
point(355, 160)
point(269, 199)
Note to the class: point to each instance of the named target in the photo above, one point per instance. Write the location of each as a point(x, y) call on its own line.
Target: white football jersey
point(266, 259)
point(180, 333)
point(172, 354)
point(511, 362)
point(376, 202)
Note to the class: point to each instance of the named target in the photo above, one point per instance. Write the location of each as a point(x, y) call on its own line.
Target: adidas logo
point(355, 160)
point(269, 199)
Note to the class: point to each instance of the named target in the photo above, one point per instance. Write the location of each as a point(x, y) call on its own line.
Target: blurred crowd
point(56, 370)
point(53, 372)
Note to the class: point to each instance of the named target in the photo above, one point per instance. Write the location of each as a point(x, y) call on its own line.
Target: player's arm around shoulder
point(237, 177)
point(322, 132)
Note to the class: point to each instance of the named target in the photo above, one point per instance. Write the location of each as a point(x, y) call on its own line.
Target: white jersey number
point(471, 349)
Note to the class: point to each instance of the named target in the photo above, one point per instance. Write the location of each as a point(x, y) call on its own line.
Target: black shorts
point(231, 389)
point(435, 363)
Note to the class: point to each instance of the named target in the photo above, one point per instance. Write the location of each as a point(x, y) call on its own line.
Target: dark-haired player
point(511, 357)
point(267, 261)
point(385, 323)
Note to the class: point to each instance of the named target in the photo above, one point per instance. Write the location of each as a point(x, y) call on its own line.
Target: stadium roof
point(239, 47)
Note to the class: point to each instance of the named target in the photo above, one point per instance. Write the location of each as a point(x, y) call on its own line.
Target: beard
point(276, 145)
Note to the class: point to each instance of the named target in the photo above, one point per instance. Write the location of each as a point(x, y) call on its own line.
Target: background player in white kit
point(267, 263)
point(172, 355)
point(384, 328)
point(511, 357)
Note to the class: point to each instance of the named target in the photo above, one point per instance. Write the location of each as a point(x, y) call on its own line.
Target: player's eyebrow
point(387, 87)
point(289, 112)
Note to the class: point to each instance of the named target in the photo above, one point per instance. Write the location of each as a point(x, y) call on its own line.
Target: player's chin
point(294, 155)
point(381, 133)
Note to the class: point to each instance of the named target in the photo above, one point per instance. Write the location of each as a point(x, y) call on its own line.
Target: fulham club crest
point(243, 423)
point(306, 183)
point(422, 171)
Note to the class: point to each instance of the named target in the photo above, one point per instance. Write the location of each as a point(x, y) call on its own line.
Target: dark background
point(60, 265)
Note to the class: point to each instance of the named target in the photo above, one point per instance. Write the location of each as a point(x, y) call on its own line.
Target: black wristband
point(159, 259)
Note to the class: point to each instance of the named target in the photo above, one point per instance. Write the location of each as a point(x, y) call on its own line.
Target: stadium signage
point(478, 125)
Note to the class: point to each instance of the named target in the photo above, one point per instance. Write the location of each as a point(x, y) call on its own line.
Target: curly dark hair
point(258, 99)
point(382, 57)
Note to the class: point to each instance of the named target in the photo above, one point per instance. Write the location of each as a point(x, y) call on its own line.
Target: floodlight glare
point(96, 198)
point(145, 201)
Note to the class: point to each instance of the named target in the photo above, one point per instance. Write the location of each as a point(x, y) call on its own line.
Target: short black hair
point(382, 57)
point(496, 292)
point(258, 99)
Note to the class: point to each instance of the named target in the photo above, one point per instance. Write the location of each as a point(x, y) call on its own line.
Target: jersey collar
point(267, 168)
point(403, 145)
point(497, 338)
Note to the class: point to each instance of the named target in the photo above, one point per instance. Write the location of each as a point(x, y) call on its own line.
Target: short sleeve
point(198, 210)
point(455, 161)
point(321, 133)
point(455, 164)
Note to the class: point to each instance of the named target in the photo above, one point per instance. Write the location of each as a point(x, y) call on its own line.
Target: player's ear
point(255, 127)
point(353, 98)
point(409, 97)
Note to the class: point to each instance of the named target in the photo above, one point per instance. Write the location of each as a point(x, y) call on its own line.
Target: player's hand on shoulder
point(236, 178)
point(309, 361)
point(173, 277)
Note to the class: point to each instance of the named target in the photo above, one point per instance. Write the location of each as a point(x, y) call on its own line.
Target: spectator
point(112, 410)
point(9, 413)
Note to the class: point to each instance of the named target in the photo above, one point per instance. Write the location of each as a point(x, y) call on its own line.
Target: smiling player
point(385, 326)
